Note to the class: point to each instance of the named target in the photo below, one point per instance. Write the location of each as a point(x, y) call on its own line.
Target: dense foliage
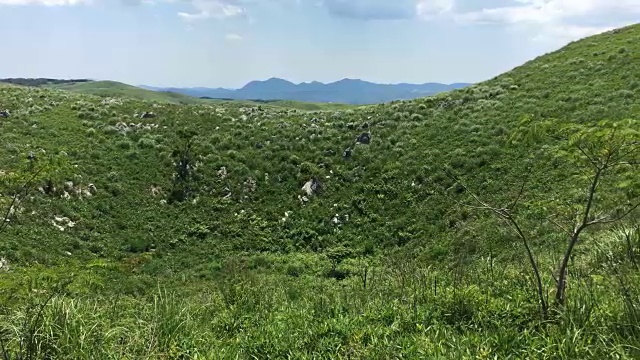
point(240, 230)
point(41, 81)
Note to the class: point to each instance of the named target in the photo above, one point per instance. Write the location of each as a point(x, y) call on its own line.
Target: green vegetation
point(117, 89)
point(188, 234)
point(40, 81)
point(301, 105)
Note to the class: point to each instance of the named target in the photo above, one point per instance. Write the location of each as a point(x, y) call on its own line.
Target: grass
point(301, 105)
point(117, 89)
point(210, 250)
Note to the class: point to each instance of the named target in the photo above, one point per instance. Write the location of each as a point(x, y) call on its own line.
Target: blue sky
point(230, 42)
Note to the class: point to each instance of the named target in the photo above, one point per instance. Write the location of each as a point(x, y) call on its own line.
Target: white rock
point(4, 264)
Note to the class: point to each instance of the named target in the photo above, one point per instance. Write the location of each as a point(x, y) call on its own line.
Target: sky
point(227, 43)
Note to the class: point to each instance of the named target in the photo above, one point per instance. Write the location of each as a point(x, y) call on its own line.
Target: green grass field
point(117, 89)
point(197, 234)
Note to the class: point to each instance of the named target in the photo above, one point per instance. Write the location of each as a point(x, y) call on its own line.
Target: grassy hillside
point(197, 239)
point(40, 81)
point(117, 89)
point(301, 105)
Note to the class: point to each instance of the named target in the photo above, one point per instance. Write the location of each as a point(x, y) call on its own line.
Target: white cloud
point(560, 34)
point(234, 37)
point(219, 9)
point(549, 11)
point(431, 8)
point(44, 2)
point(558, 21)
point(371, 9)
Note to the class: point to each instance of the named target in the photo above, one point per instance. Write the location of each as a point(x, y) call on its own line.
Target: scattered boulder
point(4, 264)
point(68, 186)
point(338, 219)
point(364, 138)
point(250, 185)
point(62, 223)
point(222, 173)
point(286, 216)
point(156, 190)
point(312, 187)
point(347, 153)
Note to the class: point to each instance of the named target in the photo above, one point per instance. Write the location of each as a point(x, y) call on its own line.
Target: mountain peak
point(347, 90)
point(277, 80)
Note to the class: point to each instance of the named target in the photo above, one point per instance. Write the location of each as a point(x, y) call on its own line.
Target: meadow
point(495, 221)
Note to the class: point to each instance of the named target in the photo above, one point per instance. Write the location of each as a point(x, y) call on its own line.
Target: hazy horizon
point(293, 82)
point(228, 43)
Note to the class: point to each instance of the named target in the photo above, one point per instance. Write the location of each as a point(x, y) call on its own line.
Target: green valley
point(142, 228)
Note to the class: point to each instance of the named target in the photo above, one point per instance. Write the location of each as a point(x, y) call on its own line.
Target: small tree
point(605, 156)
point(184, 175)
point(15, 186)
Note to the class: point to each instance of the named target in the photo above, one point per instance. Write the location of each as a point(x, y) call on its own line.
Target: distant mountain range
point(348, 91)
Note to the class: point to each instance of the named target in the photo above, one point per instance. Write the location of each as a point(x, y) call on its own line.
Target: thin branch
point(524, 183)
point(15, 198)
point(590, 197)
point(484, 205)
point(589, 157)
point(634, 148)
point(507, 216)
point(556, 223)
point(618, 218)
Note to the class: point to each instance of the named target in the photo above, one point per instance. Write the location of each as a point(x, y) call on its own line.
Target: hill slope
point(41, 81)
point(114, 89)
point(373, 263)
point(347, 91)
point(117, 89)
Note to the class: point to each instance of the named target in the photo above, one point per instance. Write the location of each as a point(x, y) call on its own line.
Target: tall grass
point(405, 312)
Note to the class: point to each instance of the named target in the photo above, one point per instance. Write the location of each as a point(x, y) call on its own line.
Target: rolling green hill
point(117, 89)
point(235, 230)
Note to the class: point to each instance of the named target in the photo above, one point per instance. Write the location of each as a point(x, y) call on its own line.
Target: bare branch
point(466, 189)
point(507, 216)
point(634, 148)
point(524, 183)
point(608, 220)
point(560, 226)
point(589, 157)
point(590, 196)
point(15, 199)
